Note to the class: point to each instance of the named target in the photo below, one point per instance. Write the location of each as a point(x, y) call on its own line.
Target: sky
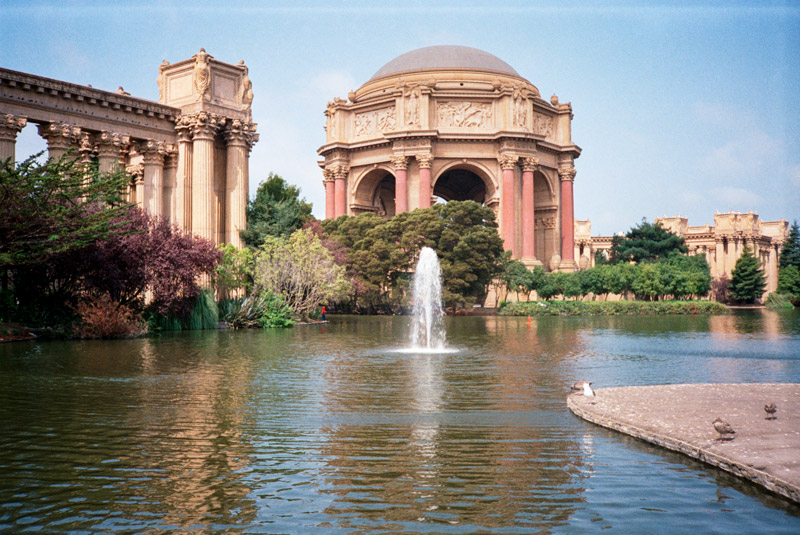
point(680, 110)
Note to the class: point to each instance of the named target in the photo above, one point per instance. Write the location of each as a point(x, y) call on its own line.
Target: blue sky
point(679, 110)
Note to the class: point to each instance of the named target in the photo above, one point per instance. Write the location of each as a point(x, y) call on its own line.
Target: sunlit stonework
point(456, 123)
point(188, 154)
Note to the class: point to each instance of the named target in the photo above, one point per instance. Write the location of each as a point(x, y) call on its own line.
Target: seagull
point(724, 429)
point(587, 390)
point(577, 387)
point(771, 409)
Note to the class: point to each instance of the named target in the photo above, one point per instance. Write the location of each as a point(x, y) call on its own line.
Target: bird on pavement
point(587, 390)
point(771, 409)
point(578, 387)
point(724, 429)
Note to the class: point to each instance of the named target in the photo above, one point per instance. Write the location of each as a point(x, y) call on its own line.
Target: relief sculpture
point(464, 114)
point(542, 125)
point(373, 122)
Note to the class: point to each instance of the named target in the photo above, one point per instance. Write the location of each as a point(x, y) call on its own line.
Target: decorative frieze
point(542, 125)
point(463, 114)
point(375, 121)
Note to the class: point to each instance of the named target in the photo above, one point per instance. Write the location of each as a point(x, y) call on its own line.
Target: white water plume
point(427, 331)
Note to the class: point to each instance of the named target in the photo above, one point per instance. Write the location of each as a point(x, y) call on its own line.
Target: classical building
point(456, 123)
point(188, 153)
point(721, 243)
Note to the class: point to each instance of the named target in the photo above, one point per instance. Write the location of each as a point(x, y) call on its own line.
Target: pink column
point(401, 183)
point(340, 190)
point(507, 163)
point(528, 166)
point(567, 215)
point(425, 161)
point(330, 195)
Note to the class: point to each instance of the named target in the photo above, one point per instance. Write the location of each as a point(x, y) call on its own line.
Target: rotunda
point(448, 123)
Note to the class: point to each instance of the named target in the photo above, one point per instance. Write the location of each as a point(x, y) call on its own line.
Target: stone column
point(507, 163)
point(425, 192)
point(330, 193)
point(400, 164)
point(240, 139)
point(529, 165)
point(136, 193)
point(183, 176)
point(153, 161)
point(110, 149)
point(60, 138)
point(10, 126)
point(719, 263)
point(170, 182)
point(204, 131)
point(340, 188)
point(567, 177)
point(773, 268)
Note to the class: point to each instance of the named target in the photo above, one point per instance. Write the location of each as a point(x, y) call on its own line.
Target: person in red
point(323, 312)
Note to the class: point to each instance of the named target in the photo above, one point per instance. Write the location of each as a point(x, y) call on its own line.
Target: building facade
point(188, 153)
point(456, 123)
point(721, 243)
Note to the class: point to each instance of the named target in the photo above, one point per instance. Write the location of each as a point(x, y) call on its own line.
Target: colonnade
point(335, 183)
point(173, 180)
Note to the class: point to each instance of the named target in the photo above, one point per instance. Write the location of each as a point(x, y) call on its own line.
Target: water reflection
point(330, 431)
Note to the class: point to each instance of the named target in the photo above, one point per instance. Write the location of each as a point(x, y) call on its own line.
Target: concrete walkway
point(678, 417)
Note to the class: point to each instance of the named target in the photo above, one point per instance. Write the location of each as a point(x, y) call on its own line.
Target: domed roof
point(445, 57)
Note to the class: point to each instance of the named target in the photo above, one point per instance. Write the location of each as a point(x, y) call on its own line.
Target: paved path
point(678, 417)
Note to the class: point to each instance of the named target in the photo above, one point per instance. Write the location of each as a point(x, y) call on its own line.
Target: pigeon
point(771, 409)
point(724, 429)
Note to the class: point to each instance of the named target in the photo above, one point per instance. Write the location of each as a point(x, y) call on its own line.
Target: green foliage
point(646, 242)
point(747, 278)
point(779, 301)
point(611, 308)
point(380, 253)
point(277, 313)
point(277, 210)
point(790, 252)
point(789, 280)
point(56, 207)
point(235, 270)
point(203, 315)
point(301, 270)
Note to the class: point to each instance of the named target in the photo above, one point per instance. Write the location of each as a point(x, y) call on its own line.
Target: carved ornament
point(399, 162)
point(136, 171)
point(340, 171)
point(203, 125)
point(60, 135)
point(373, 122)
point(202, 74)
point(246, 91)
point(508, 161)
point(567, 174)
point(412, 106)
point(463, 114)
point(520, 96)
point(10, 126)
point(542, 125)
point(241, 133)
point(530, 164)
point(425, 160)
point(329, 174)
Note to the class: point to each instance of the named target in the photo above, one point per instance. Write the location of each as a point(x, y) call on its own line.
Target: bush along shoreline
point(610, 308)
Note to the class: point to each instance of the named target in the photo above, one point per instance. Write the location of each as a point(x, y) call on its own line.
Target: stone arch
point(460, 180)
point(374, 191)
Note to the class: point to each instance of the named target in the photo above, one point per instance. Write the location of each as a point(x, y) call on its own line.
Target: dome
point(445, 57)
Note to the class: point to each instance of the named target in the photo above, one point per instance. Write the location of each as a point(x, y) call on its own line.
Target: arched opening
point(460, 184)
point(545, 224)
point(375, 193)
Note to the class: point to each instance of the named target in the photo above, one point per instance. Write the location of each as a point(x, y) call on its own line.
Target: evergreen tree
point(277, 210)
point(790, 252)
point(747, 278)
point(646, 242)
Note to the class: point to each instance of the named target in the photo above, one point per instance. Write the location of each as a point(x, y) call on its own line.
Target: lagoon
point(339, 429)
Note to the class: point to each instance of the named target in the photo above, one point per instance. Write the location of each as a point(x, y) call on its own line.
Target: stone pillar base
point(531, 262)
point(567, 266)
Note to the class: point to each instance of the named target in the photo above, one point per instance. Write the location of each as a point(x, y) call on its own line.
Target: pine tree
point(790, 252)
point(747, 278)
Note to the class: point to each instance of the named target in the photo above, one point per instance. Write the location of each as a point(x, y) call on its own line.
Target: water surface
point(334, 429)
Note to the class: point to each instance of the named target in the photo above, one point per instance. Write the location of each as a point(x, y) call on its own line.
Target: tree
point(747, 278)
point(790, 252)
point(56, 207)
point(789, 281)
point(646, 242)
point(276, 210)
point(235, 270)
point(301, 270)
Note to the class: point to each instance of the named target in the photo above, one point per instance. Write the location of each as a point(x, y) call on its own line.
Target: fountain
point(427, 330)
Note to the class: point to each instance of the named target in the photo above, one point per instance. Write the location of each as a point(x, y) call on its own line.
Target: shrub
point(102, 317)
point(611, 308)
point(778, 301)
